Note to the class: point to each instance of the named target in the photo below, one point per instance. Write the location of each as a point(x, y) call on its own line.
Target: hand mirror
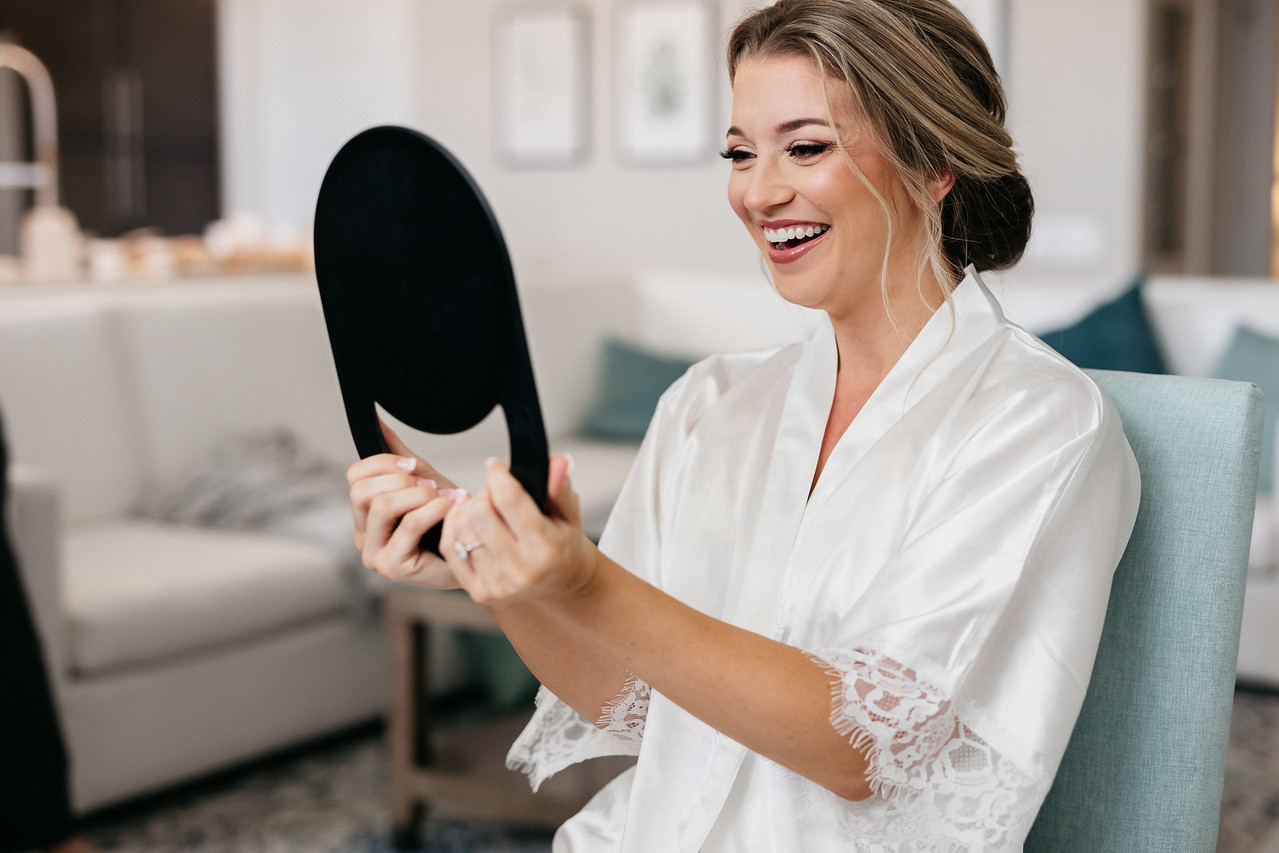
point(419, 299)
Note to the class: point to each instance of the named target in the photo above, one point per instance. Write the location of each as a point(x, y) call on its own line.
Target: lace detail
point(558, 736)
point(922, 754)
point(625, 716)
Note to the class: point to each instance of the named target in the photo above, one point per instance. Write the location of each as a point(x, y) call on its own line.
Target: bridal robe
point(950, 569)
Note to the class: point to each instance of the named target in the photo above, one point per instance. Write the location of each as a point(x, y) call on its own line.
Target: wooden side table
point(462, 773)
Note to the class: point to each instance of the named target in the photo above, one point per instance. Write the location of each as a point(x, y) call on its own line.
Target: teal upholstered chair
point(1145, 765)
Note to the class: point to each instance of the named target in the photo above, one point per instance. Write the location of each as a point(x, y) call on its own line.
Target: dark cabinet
point(136, 85)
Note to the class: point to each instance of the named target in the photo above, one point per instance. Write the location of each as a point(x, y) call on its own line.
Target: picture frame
point(541, 84)
point(665, 78)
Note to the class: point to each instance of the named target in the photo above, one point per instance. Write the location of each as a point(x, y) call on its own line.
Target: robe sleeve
point(557, 736)
point(961, 669)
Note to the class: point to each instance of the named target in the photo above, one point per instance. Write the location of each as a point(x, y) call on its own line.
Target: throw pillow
point(1115, 336)
point(632, 380)
point(1254, 357)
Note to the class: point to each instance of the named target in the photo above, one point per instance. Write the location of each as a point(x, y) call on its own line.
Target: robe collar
point(969, 318)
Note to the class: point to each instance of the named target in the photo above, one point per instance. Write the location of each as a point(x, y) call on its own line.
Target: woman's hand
point(397, 497)
point(514, 552)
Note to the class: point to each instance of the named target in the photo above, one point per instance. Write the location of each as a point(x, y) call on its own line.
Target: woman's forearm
point(765, 695)
point(582, 674)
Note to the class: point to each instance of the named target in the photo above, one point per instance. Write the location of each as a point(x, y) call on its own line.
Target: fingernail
point(404, 463)
point(431, 483)
point(455, 495)
point(572, 463)
point(491, 461)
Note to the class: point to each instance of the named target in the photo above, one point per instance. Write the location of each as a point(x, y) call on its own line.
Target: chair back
point(1146, 762)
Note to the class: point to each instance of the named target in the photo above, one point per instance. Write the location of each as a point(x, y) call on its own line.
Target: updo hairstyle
point(923, 79)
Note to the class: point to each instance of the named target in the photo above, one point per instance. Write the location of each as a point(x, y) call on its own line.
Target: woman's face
point(818, 224)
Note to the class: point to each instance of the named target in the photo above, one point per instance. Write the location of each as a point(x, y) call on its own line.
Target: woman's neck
point(868, 346)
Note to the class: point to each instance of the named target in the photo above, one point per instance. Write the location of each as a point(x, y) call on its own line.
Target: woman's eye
point(807, 150)
point(737, 155)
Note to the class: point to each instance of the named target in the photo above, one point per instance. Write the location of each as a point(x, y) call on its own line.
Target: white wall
point(1077, 105)
point(300, 76)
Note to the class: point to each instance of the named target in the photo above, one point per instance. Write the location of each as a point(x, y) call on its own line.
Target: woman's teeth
point(779, 237)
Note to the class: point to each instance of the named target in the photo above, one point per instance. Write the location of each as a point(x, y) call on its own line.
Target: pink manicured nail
point(404, 463)
point(572, 463)
point(431, 483)
point(455, 495)
point(491, 461)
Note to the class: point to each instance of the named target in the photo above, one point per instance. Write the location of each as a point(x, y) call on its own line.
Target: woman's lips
point(794, 253)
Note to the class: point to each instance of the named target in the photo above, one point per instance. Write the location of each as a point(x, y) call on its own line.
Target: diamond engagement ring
point(464, 551)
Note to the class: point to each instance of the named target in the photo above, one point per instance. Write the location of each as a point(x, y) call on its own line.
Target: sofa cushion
point(138, 591)
point(632, 380)
point(209, 363)
point(1114, 336)
point(68, 402)
point(1254, 357)
point(702, 314)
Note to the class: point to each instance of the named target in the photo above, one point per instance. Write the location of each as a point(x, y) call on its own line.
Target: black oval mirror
point(419, 299)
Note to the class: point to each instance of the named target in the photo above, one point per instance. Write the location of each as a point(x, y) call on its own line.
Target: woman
point(851, 593)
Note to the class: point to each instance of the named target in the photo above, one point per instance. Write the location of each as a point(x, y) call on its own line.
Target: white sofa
point(179, 650)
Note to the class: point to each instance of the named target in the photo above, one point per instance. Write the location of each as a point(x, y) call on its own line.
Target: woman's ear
point(940, 185)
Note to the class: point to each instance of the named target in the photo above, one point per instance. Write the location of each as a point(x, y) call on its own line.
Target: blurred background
point(1147, 127)
point(175, 140)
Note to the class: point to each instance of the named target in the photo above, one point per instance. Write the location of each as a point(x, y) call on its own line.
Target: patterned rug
point(329, 799)
point(332, 798)
point(1250, 800)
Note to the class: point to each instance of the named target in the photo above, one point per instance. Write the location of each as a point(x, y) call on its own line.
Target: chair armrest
point(35, 530)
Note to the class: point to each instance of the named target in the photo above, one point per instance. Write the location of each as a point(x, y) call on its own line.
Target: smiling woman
point(842, 601)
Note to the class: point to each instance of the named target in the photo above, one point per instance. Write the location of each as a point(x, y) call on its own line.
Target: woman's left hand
point(515, 553)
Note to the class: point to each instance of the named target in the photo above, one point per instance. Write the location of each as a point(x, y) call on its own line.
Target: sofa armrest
point(35, 528)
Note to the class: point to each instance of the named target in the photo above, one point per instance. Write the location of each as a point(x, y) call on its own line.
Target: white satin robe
point(951, 570)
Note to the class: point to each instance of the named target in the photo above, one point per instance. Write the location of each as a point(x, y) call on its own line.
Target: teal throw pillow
point(1115, 336)
point(632, 380)
point(1254, 357)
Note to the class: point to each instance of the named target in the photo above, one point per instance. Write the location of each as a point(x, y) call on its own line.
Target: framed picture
point(542, 95)
point(990, 17)
point(666, 52)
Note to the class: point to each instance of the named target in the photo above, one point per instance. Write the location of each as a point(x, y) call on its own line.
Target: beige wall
point(300, 76)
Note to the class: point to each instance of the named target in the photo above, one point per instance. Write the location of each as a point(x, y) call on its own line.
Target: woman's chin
point(795, 287)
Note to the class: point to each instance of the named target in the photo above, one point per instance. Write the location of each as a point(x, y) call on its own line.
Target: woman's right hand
point(396, 498)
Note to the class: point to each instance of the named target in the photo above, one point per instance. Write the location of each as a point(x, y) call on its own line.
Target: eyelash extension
point(807, 149)
point(795, 149)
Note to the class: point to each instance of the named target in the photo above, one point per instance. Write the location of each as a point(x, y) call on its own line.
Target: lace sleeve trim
point(558, 736)
point(918, 747)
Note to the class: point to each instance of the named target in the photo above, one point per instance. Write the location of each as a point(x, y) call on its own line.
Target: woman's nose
point(767, 187)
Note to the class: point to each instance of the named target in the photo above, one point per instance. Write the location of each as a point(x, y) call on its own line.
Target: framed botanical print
point(541, 83)
point(665, 72)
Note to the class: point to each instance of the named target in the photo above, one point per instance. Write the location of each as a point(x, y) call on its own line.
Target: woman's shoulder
point(1027, 381)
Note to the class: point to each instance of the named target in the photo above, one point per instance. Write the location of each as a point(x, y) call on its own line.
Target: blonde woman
point(850, 595)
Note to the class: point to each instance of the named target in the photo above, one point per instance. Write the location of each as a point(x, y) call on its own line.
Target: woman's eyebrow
point(785, 127)
point(796, 123)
